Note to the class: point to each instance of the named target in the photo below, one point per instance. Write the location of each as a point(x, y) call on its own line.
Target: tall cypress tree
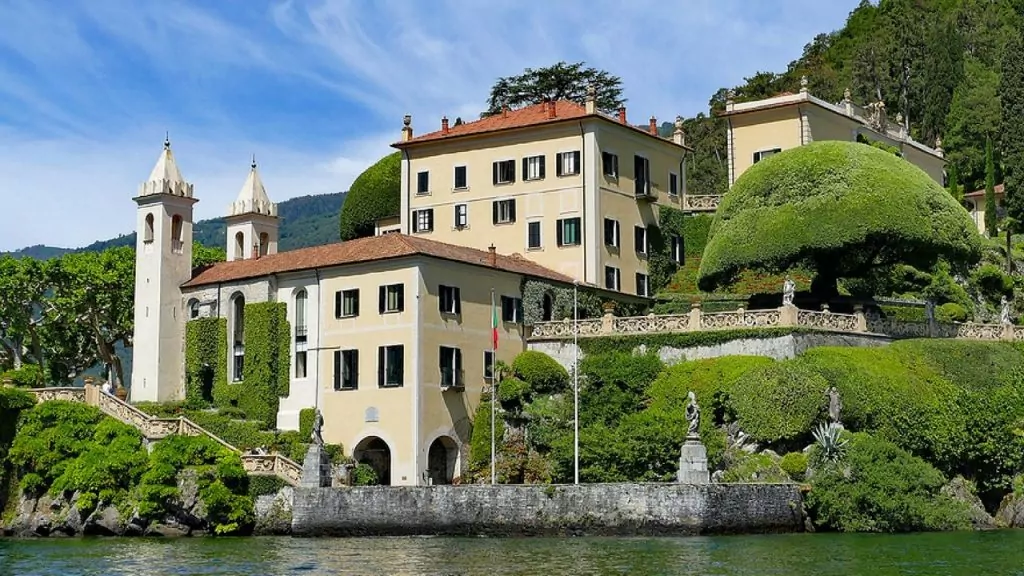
point(1011, 97)
point(991, 221)
point(953, 184)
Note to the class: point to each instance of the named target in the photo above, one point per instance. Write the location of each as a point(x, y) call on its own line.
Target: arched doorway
point(442, 459)
point(206, 383)
point(548, 312)
point(376, 454)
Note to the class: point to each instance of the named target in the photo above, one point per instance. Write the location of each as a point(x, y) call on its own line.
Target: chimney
point(407, 128)
point(653, 126)
point(551, 109)
point(678, 136)
point(493, 256)
point(591, 99)
point(444, 125)
point(504, 110)
point(622, 114)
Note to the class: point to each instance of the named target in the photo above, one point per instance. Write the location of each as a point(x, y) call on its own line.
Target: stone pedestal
point(693, 462)
point(316, 468)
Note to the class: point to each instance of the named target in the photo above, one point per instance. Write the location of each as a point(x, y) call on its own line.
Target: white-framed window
point(237, 337)
point(177, 234)
point(611, 278)
point(640, 239)
point(762, 154)
point(449, 299)
point(193, 309)
point(610, 164)
point(504, 211)
point(611, 232)
point(346, 369)
point(423, 220)
point(461, 179)
point(346, 303)
point(641, 176)
point(568, 232)
point(568, 163)
point(450, 363)
point(533, 168)
point(533, 235)
point(511, 309)
point(423, 182)
point(390, 366)
point(504, 171)
point(391, 298)
point(147, 233)
point(301, 333)
point(461, 216)
point(673, 184)
point(677, 249)
point(643, 287)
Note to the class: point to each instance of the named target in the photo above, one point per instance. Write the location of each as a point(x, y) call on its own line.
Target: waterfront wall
point(505, 510)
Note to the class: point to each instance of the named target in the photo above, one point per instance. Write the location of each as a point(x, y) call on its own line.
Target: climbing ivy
point(267, 361)
point(205, 356)
point(590, 303)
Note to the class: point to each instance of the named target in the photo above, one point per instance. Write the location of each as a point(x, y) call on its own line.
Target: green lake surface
point(967, 553)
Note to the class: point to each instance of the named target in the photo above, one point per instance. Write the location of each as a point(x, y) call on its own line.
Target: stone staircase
point(154, 429)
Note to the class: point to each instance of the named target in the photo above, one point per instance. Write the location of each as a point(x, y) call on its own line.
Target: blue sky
point(317, 88)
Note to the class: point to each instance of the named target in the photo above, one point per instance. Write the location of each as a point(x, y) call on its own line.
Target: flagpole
point(575, 385)
point(494, 395)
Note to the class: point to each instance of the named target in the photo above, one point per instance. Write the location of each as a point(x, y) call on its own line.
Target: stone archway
point(442, 460)
point(376, 454)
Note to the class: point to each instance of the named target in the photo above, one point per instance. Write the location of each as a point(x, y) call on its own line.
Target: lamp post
point(575, 383)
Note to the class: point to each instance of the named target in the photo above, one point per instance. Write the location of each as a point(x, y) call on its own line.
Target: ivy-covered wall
point(696, 228)
point(266, 373)
point(589, 301)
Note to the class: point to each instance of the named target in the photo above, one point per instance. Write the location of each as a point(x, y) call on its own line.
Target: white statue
point(318, 423)
point(929, 310)
point(692, 415)
point(1004, 310)
point(788, 291)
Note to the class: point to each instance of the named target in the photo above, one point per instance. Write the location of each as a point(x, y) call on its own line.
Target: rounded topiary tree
point(838, 208)
point(374, 194)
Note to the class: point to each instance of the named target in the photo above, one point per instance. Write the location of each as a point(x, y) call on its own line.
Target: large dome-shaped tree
point(374, 194)
point(838, 208)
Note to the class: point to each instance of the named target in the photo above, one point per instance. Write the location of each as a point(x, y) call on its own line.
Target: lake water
point(967, 553)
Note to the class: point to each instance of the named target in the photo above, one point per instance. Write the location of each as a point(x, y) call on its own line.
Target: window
point(177, 235)
point(611, 233)
point(533, 168)
point(461, 182)
point(346, 369)
point(611, 278)
point(504, 211)
point(264, 243)
point(461, 216)
point(488, 364)
point(504, 171)
point(641, 176)
point(450, 300)
point(610, 164)
point(423, 220)
point(568, 163)
point(677, 249)
point(346, 303)
point(147, 235)
point(423, 182)
point(568, 232)
point(451, 367)
point(511, 309)
point(239, 246)
point(762, 154)
point(390, 365)
point(640, 239)
point(238, 337)
point(642, 286)
point(300, 333)
point(673, 183)
point(533, 235)
point(392, 298)
point(193, 309)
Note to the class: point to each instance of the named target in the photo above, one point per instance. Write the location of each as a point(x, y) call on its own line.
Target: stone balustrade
point(701, 202)
point(784, 316)
point(154, 428)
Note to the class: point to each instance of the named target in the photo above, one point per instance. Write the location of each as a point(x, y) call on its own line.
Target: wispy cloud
point(317, 88)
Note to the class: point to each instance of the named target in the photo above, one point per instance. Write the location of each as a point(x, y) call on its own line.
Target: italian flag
point(494, 324)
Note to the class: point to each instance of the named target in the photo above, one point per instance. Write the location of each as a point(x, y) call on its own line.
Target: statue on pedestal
point(316, 436)
point(1004, 310)
point(788, 291)
point(693, 415)
point(835, 404)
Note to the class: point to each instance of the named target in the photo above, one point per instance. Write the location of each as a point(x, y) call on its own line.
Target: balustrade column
point(1007, 333)
point(608, 321)
point(695, 314)
point(862, 320)
point(788, 315)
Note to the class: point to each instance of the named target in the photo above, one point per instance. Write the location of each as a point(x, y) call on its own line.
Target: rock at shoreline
point(961, 490)
point(1011, 511)
point(274, 513)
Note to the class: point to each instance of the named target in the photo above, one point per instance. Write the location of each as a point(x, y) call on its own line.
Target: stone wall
point(779, 348)
point(505, 510)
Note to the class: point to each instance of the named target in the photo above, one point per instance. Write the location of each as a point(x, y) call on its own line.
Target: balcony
point(644, 191)
point(452, 379)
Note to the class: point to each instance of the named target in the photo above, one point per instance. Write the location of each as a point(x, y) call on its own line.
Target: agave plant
point(831, 447)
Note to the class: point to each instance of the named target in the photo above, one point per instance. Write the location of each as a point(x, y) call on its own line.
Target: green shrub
point(364, 475)
point(480, 440)
point(51, 436)
point(951, 312)
point(265, 486)
point(696, 228)
point(232, 412)
point(206, 341)
point(267, 361)
point(992, 281)
point(306, 418)
point(162, 409)
point(109, 466)
point(882, 488)
point(779, 402)
point(513, 393)
point(373, 195)
point(742, 466)
point(28, 376)
point(795, 465)
point(614, 384)
point(541, 372)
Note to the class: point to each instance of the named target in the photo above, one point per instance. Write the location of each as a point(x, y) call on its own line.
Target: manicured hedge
point(206, 341)
point(375, 194)
point(696, 228)
point(609, 344)
point(543, 374)
point(840, 207)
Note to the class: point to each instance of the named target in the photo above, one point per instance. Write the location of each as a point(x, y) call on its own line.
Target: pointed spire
point(165, 178)
point(253, 198)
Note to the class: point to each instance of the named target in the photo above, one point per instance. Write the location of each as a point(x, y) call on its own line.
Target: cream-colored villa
point(975, 204)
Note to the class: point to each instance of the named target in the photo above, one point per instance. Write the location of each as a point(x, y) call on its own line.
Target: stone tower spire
point(163, 262)
point(252, 220)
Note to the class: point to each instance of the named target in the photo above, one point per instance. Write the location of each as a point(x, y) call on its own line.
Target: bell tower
point(252, 221)
point(163, 262)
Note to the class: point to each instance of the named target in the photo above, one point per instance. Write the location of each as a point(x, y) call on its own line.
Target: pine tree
point(561, 81)
point(991, 221)
point(1011, 96)
point(953, 184)
point(942, 72)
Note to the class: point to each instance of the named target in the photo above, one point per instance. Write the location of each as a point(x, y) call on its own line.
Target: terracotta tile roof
point(533, 115)
point(368, 249)
point(979, 193)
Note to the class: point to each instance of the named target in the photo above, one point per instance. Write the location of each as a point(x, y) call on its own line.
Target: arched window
point(264, 243)
point(193, 309)
point(147, 233)
point(239, 246)
point(177, 234)
point(237, 337)
point(301, 298)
